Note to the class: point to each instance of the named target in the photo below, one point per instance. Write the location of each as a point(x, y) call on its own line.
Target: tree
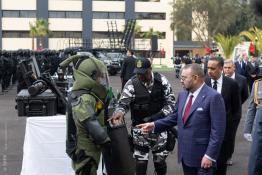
point(254, 35)
point(150, 33)
point(227, 43)
point(38, 29)
point(33, 34)
point(204, 18)
point(246, 19)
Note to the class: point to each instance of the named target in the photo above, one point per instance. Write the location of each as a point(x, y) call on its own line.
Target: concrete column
point(87, 17)
point(42, 12)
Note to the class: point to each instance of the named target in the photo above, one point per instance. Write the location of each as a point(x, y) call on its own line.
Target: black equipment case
point(43, 104)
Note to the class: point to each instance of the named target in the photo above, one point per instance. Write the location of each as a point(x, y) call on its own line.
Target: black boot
point(141, 167)
point(160, 167)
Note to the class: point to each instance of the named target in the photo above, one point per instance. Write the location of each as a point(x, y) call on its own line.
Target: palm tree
point(39, 29)
point(227, 43)
point(150, 33)
point(33, 34)
point(254, 34)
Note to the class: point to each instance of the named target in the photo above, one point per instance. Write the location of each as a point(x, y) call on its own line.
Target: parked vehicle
point(113, 64)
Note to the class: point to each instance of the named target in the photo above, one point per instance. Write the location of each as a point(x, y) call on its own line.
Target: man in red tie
point(201, 119)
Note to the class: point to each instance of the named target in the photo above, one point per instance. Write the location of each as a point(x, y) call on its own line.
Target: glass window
point(24, 34)
point(27, 14)
point(73, 14)
point(57, 34)
point(11, 13)
point(73, 34)
point(100, 15)
point(116, 15)
point(100, 35)
point(62, 34)
point(161, 16)
point(56, 14)
point(16, 34)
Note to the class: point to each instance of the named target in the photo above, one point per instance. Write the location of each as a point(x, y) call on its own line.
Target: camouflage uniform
point(152, 141)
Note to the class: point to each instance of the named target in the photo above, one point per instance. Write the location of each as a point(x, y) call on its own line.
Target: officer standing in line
point(254, 113)
point(149, 96)
point(1, 71)
point(87, 109)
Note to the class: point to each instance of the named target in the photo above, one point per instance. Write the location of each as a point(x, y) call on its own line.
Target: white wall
point(101, 24)
point(62, 24)
point(65, 5)
point(16, 23)
point(62, 43)
point(16, 43)
point(109, 6)
point(19, 4)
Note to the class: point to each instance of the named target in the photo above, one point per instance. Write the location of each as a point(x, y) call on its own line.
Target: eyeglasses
point(183, 78)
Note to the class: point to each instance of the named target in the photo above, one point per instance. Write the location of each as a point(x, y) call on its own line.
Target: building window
point(56, 14)
point(108, 15)
point(73, 14)
point(27, 14)
point(66, 34)
point(116, 15)
point(154, 16)
point(65, 14)
point(19, 13)
point(16, 34)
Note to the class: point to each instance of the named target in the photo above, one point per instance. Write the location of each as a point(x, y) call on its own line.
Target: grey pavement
point(12, 129)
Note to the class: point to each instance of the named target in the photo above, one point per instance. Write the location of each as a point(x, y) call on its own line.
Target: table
point(44, 147)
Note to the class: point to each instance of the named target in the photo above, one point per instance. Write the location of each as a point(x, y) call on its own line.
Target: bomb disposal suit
point(87, 107)
point(149, 97)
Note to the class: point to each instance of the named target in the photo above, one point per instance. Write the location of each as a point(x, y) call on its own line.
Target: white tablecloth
point(44, 147)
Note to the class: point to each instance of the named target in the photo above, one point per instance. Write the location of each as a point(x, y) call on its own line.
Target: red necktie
point(187, 109)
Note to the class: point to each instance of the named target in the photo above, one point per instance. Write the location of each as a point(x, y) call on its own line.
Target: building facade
point(76, 22)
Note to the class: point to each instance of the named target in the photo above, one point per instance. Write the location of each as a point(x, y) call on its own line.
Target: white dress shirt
point(233, 76)
point(219, 83)
point(195, 94)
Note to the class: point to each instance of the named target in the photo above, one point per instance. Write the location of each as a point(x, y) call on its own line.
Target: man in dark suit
point(252, 69)
point(200, 116)
point(240, 66)
point(229, 71)
point(128, 66)
point(228, 88)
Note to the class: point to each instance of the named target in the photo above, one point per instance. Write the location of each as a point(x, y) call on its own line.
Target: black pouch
point(130, 140)
point(171, 139)
point(71, 150)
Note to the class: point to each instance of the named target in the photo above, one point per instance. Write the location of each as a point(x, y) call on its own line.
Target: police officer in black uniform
point(149, 96)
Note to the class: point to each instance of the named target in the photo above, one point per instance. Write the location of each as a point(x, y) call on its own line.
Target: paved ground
point(12, 129)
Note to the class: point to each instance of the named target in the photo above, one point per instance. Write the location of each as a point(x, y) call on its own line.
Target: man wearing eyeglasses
point(200, 118)
point(149, 96)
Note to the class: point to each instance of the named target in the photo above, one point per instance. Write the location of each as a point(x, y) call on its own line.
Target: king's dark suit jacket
point(204, 129)
point(243, 88)
point(231, 96)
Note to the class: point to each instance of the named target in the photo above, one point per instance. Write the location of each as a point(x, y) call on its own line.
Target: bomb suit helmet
point(89, 73)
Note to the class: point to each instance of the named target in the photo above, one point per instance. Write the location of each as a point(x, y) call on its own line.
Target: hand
point(206, 163)
point(116, 119)
point(248, 137)
point(146, 127)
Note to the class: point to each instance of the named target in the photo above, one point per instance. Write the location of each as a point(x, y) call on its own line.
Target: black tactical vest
point(146, 104)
